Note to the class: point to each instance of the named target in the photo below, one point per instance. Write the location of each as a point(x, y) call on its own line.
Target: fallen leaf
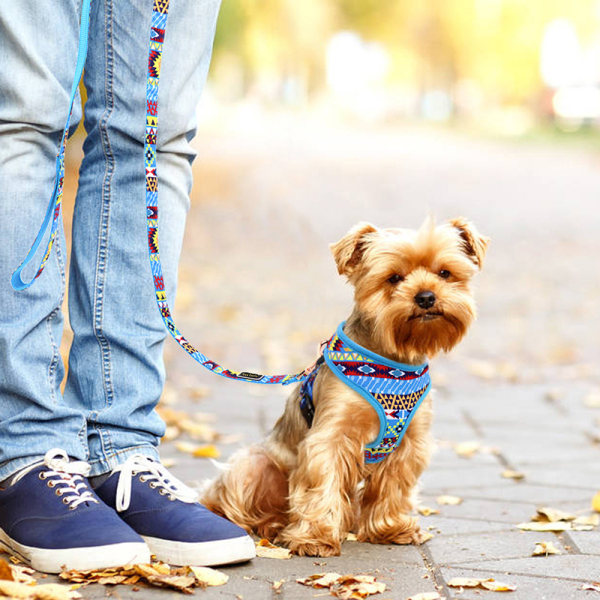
point(545, 513)
point(592, 520)
point(545, 526)
point(426, 511)
point(516, 475)
point(544, 549)
point(277, 585)
point(264, 549)
point(208, 451)
point(448, 500)
point(426, 596)
point(345, 586)
point(47, 591)
point(497, 586)
point(596, 502)
point(208, 576)
point(593, 587)
point(486, 583)
point(467, 449)
point(425, 536)
point(5, 571)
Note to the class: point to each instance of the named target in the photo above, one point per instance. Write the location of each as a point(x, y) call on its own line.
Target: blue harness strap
point(394, 390)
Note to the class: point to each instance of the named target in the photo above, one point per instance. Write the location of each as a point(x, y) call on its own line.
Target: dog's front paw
point(405, 531)
point(315, 549)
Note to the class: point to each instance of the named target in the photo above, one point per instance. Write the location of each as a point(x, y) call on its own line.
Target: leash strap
point(53, 210)
point(157, 36)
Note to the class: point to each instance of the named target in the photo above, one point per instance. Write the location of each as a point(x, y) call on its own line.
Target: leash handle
point(54, 206)
point(157, 35)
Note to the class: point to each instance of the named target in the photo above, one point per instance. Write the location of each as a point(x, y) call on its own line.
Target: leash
point(157, 35)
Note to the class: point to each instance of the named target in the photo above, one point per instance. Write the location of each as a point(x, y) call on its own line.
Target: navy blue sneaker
point(167, 514)
point(51, 519)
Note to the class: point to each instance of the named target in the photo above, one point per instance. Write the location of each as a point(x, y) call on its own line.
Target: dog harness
point(394, 390)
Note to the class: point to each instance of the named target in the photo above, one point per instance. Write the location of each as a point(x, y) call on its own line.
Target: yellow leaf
point(544, 549)
point(264, 549)
point(448, 500)
point(592, 399)
point(426, 511)
point(596, 502)
point(426, 596)
point(516, 475)
point(208, 576)
point(592, 520)
point(467, 449)
point(208, 451)
point(544, 526)
point(320, 580)
point(497, 586)
point(545, 513)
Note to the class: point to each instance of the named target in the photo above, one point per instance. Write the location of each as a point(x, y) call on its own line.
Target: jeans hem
point(14, 465)
point(111, 461)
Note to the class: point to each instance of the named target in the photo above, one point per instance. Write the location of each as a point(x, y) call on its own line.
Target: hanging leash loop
point(54, 206)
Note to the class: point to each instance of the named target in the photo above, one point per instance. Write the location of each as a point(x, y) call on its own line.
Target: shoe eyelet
point(143, 479)
point(162, 491)
point(72, 507)
point(65, 501)
point(172, 498)
point(51, 484)
point(42, 475)
point(152, 484)
point(58, 492)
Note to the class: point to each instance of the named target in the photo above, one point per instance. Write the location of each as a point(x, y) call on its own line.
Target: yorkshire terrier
point(354, 438)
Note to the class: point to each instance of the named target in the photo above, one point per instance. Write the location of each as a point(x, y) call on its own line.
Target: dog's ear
point(473, 243)
point(349, 250)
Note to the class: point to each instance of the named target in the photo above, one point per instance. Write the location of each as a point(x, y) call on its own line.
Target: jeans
point(116, 371)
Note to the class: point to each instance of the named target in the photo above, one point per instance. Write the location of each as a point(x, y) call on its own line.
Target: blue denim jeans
point(116, 370)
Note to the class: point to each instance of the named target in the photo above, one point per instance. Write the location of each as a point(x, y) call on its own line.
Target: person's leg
point(35, 81)
point(48, 514)
point(116, 371)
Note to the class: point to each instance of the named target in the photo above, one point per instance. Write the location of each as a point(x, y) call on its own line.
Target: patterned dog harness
point(394, 390)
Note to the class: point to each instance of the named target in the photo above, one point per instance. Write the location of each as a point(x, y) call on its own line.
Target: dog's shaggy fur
point(307, 488)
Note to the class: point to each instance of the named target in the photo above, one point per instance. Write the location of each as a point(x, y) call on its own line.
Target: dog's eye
point(444, 274)
point(395, 279)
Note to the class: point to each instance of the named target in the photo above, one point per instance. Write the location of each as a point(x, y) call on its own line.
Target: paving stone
point(490, 546)
point(444, 526)
point(528, 588)
point(568, 566)
point(468, 476)
point(588, 542)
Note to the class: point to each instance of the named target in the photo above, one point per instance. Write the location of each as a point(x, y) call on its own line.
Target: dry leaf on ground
point(426, 511)
point(592, 399)
point(592, 520)
point(544, 526)
point(510, 474)
point(208, 576)
point(205, 451)
point(264, 549)
point(6, 571)
point(467, 449)
point(426, 596)
point(48, 591)
point(486, 583)
point(448, 500)
point(596, 502)
point(593, 587)
point(345, 586)
point(544, 549)
point(183, 579)
point(546, 513)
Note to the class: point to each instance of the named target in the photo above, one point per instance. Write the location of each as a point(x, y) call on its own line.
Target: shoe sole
point(205, 554)
point(52, 560)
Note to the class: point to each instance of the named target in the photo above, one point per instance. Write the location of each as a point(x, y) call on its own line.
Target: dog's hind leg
point(252, 492)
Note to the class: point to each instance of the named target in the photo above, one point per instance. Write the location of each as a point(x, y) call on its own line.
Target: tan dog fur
point(307, 488)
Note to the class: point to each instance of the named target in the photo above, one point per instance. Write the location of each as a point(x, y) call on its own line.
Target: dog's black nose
point(425, 299)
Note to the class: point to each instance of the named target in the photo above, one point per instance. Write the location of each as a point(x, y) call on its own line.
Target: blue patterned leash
point(157, 36)
point(54, 206)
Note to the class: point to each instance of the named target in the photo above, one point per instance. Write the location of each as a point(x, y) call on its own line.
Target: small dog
point(320, 474)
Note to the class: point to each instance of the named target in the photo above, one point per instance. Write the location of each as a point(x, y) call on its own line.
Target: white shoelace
point(156, 475)
point(65, 475)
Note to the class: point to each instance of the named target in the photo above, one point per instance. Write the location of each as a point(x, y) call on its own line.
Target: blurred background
point(322, 113)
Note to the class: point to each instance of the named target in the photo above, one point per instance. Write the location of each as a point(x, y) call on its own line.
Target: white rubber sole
point(82, 559)
point(205, 554)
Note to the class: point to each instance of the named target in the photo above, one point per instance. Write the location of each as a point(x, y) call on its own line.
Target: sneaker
point(51, 518)
point(167, 514)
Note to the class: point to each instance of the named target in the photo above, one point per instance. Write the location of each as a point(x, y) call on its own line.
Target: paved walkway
point(258, 290)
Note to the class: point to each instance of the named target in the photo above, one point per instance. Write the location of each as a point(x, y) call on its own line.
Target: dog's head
point(412, 286)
